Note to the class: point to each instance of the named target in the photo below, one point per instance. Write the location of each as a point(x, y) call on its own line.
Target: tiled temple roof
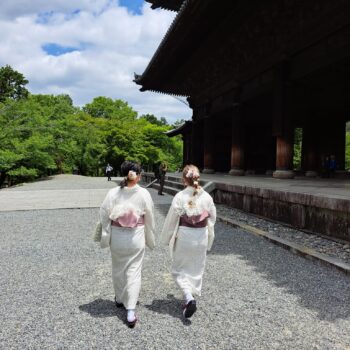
point(173, 5)
point(148, 75)
point(187, 32)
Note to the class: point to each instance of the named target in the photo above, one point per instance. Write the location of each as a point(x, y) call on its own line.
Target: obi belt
point(195, 221)
point(129, 220)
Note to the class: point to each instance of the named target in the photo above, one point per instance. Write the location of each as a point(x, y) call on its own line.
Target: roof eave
point(175, 6)
point(179, 130)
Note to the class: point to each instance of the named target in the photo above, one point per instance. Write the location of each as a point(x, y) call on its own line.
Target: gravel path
point(65, 182)
point(56, 292)
point(335, 248)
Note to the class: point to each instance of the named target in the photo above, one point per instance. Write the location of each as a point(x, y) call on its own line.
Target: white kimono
point(127, 244)
point(188, 245)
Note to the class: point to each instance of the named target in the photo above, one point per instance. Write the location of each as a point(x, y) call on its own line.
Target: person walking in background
point(189, 232)
point(109, 170)
point(162, 171)
point(127, 220)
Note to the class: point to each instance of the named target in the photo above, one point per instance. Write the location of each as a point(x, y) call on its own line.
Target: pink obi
point(129, 220)
point(195, 221)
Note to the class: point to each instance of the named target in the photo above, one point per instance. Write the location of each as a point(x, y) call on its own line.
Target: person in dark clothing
point(332, 165)
point(109, 170)
point(156, 170)
point(162, 171)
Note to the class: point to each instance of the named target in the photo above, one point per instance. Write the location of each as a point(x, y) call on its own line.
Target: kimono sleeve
point(211, 222)
point(171, 221)
point(106, 221)
point(149, 221)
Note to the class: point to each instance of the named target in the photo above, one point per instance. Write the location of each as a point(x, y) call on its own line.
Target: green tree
point(24, 142)
point(104, 107)
point(12, 84)
point(298, 137)
point(154, 120)
point(347, 151)
point(45, 134)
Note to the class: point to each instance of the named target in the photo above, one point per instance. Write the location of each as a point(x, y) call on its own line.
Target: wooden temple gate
point(253, 72)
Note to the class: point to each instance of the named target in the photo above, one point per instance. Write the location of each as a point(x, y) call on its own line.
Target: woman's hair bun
point(129, 170)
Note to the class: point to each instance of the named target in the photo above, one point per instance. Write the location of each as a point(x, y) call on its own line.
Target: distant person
point(128, 224)
point(109, 170)
point(156, 170)
point(332, 165)
point(189, 232)
point(325, 166)
point(162, 171)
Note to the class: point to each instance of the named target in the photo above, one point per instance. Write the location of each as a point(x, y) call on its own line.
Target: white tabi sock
point(131, 315)
point(188, 297)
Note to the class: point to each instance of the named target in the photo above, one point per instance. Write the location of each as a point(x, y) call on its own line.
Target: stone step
point(179, 180)
point(166, 189)
point(174, 184)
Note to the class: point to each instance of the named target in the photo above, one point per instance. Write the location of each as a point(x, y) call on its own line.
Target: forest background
point(42, 135)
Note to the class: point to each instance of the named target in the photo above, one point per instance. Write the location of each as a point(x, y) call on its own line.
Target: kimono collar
point(190, 189)
point(131, 189)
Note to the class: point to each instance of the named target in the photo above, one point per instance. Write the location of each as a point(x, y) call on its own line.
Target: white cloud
point(115, 44)
point(11, 9)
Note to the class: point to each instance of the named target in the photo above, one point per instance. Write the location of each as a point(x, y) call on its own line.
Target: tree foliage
point(347, 151)
point(12, 84)
point(154, 120)
point(298, 137)
point(45, 134)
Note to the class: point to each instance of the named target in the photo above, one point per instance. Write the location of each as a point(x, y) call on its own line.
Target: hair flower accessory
point(192, 174)
point(132, 175)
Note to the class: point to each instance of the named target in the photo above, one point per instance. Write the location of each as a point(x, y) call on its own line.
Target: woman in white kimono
point(189, 232)
point(127, 222)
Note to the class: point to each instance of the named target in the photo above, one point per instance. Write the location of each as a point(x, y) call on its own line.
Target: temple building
point(253, 72)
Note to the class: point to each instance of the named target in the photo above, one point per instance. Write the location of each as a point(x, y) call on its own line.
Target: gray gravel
point(56, 292)
point(333, 248)
point(66, 182)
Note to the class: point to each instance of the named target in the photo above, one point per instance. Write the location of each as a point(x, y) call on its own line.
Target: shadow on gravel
point(103, 308)
point(170, 306)
point(319, 288)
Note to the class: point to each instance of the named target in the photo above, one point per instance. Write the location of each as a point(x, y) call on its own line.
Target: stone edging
point(294, 248)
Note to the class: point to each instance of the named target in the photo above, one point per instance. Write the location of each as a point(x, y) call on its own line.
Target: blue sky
point(53, 49)
point(133, 5)
point(87, 48)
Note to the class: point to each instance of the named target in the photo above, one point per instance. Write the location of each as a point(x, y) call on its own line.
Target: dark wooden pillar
point(237, 146)
point(309, 151)
point(284, 156)
point(282, 124)
point(208, 143)
point(186, 148)
point(192, 143)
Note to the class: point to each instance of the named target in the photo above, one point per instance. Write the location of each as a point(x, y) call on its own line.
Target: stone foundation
point(316, 213)
point(326, 215)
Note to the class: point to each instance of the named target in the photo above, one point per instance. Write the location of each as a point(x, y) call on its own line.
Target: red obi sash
point(129, 220)
point(195, 221)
